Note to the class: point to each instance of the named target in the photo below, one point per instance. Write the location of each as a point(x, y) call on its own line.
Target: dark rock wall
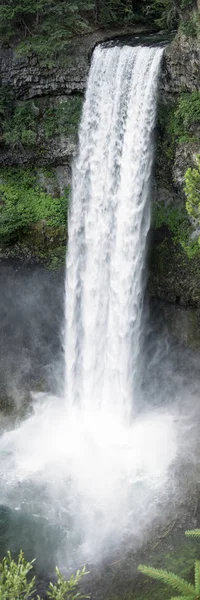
point(174, 277)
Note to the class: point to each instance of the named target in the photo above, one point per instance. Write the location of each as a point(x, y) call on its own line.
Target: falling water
point(90, 464)
point(110, 219)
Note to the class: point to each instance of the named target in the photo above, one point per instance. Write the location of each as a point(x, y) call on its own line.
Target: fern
point(170, 579)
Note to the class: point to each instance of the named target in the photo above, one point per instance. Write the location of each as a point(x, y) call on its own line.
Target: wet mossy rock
point(175, 250)
point(175, 278)
point(33, 215)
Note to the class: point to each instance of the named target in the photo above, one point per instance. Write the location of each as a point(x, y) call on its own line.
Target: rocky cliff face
point(52, 97)
point(181, 66)
point(174, 274)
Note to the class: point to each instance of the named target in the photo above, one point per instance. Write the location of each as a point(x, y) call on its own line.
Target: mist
point(71, 490)
point(31, 309)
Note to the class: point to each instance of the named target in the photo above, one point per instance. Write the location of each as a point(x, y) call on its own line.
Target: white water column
point(108, 226)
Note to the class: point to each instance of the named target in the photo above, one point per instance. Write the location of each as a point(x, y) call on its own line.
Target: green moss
point(175, 218)
point(186, 115)
point(18, 121)
point(21, 127)
point(63, 117)
point(165, 139)
point(192, 190)
point(22, 124)
point(176, 123)
point(191, 26)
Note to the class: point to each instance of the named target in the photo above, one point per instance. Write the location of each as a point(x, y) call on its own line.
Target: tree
point(43, 26)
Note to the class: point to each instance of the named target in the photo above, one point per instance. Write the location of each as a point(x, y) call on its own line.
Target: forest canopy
point(47, 26)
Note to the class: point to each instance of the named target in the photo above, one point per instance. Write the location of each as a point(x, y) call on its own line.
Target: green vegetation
point(172, 13)
point(184, 589)
point(23, 203)
point(13, 578)
point(176, 220)
point(63, 118)
point(15, 584)
point(191, 26)
point(21, 122)
point(186, 116)
point(21, 125)
point(176, 123)
point(46, 27)
point(192, 190)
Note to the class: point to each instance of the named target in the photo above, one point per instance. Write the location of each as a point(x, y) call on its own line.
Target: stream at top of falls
point(93, 466)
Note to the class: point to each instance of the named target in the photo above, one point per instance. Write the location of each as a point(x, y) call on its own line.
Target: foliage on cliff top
point(47, 26)
point(23, 202)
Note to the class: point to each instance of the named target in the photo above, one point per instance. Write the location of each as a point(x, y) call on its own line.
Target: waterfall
point(87, 469)
point(109, 222)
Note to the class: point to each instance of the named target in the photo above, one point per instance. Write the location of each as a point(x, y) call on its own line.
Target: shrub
point(176, 124)
point(192, 190)
point(24, 123)
point(22, 126)
point(15, 585)
point(187, 113)
point(13, 578)
point(23, 202)
point(63, 118)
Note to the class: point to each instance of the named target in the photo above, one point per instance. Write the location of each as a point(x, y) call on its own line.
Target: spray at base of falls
point(93, 479)
point(88, 464)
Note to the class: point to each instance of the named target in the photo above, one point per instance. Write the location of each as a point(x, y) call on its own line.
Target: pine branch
point(197, 576)
point(170, 579)
point(193, 533)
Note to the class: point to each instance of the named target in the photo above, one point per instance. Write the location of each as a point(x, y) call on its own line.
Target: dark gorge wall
point(40, 108)
point(174, 277)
